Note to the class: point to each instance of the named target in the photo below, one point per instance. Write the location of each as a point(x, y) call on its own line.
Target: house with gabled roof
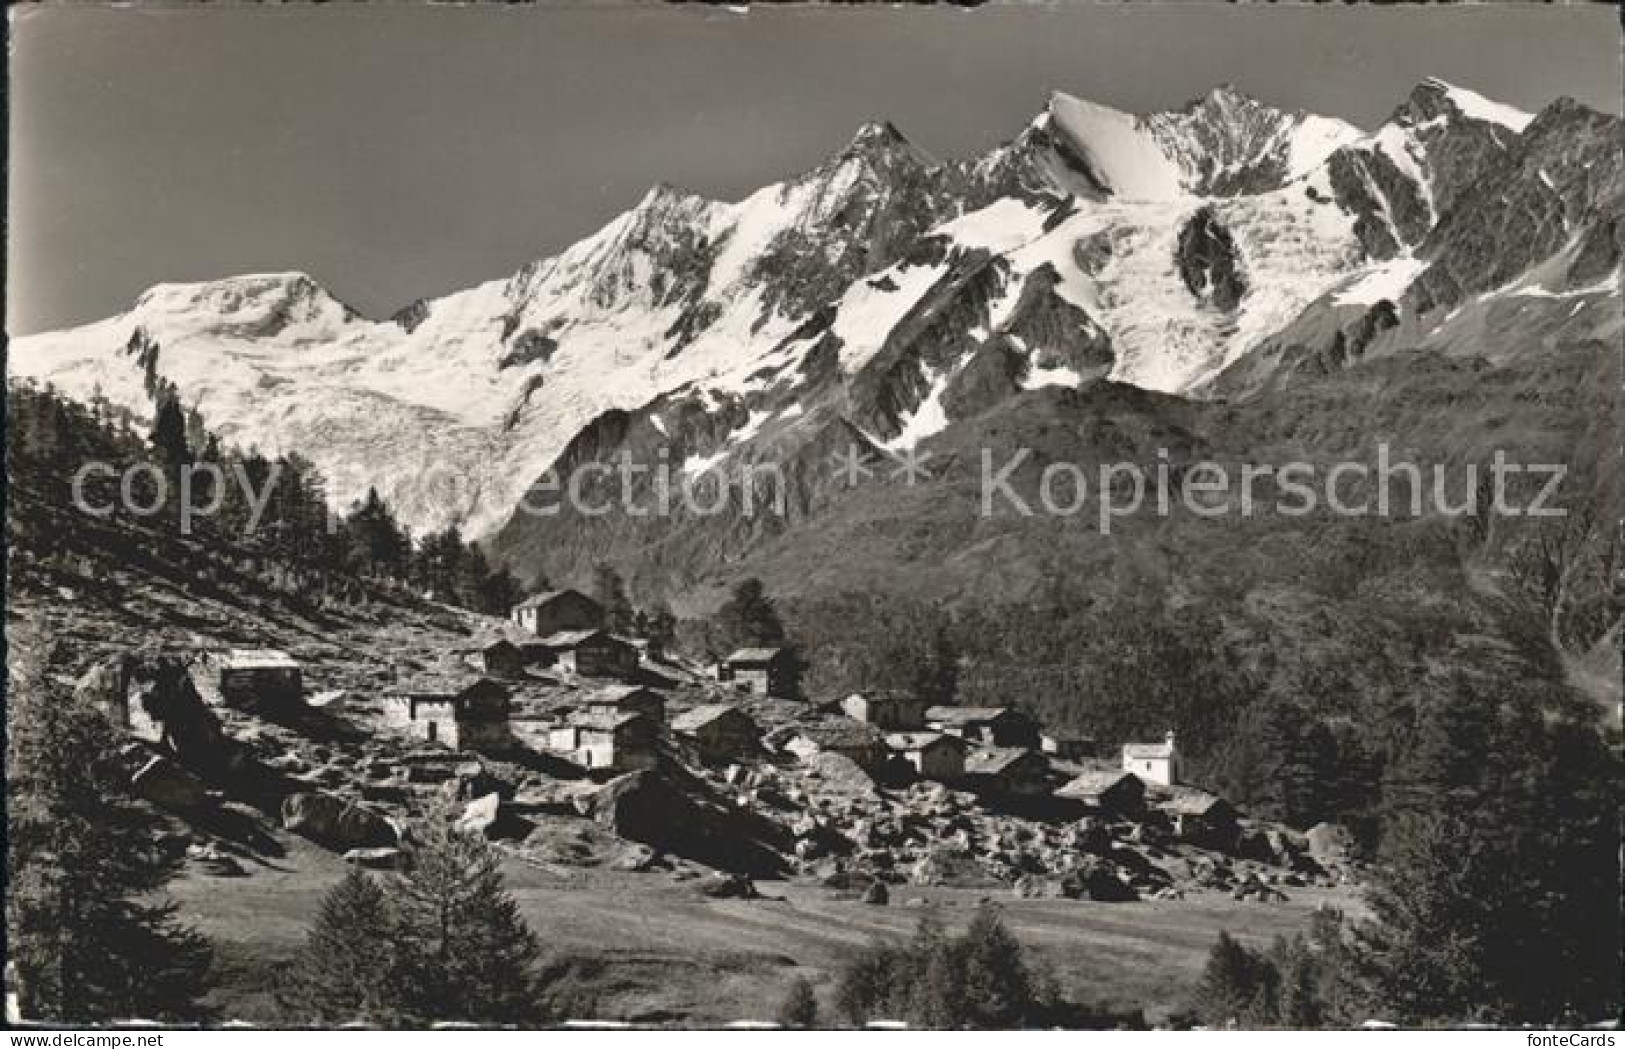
point(1154, 762)
point(627, 699)
point(891, 711)
point(1067, 746)
point(554, 611)
point(607, 742)
point(1106, 791)
point(260, 679)
point(717, 732)
point(592, 653)
point(863, 744)
point(985, 726)
point(462, 713)
point(502, 657)
point(1008, 772)
point(1197, 815)
point(930, 755)
point(762, 672)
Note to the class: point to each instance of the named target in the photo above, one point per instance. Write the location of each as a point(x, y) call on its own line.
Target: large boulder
point(474, 780)
point(677, 814)
point(169, 786)
point(839, 774)
point(1099, 880)
point(480, 815)
point(951, 866)
point(491, 818)
point(1331, 845)
point(728, 887)
point(164, 692)
point(106, 687)
point(336, 823)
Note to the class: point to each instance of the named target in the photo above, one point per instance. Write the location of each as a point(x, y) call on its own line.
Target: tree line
point(272, 510)
point(1493, 894)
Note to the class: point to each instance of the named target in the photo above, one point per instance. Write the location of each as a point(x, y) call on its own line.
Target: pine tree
point(610, 591)
point(89, 943)
point(377, 543)
point(998, 989)
point(347, 970)
point(169, 433)
point(748, 617)
point(1233, 987)
point(466, 952)
point(980, 979)
point(499, 591)
point(934, 998)
point(1491, 873)
point(661, 628)
point(800, 1005)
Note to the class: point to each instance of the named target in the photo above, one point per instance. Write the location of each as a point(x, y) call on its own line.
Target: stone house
point(613, 742)
point(462, 715)
point(1007, 772)
point(556, 611)
point(931, 755)
point(260, 679)
point(717, 732)
point(628, 699)
point(863, 744)
point(1066, 746)
point(891, 711)
point(502, 657)
point(1107, 791)
point(1003, 727)
point(592, 653)
point(1157, 763)
point(1198, 816)
point(532, 728)
point(762, 672)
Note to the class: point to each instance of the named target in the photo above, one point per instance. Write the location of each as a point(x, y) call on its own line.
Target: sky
point(405, 151)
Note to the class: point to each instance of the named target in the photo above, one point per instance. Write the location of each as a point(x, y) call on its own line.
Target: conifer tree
point(89, 942)
point(748, 617)
point(1233, 988)
point(998, 989)
point(169, 433)
point(465, 951)
point(347, 970)
point(609, 589)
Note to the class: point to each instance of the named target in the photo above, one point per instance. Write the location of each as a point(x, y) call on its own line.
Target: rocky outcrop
point(335, 823)
point(1331, 845)
point(674, 813)
point(531, 347)
point(411, 315)
point(1209, 262)
point(169, 786)
point(1560, 184)
point(1055, 333)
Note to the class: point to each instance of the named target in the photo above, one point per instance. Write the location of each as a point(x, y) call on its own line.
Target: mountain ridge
point(827, 287)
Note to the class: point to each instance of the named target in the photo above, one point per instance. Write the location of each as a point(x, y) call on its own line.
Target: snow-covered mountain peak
point(665, 197)
point(880, 287)
point(882, 136)
point(1223, 144)
point(254, 304)
point(1118, 151)
point(1434, 95)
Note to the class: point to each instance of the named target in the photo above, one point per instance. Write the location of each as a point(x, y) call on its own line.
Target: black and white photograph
point(1004, 516)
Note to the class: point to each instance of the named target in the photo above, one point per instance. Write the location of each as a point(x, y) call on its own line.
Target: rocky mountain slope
point(886, 296)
